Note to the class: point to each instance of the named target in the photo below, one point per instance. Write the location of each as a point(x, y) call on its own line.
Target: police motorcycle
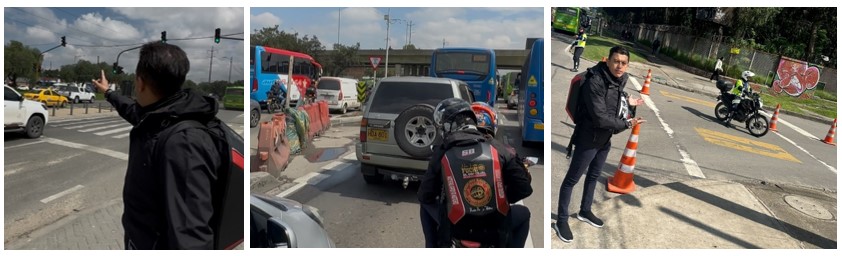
point(748, 109)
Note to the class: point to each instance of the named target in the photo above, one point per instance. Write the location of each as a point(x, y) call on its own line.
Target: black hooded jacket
point(167, 192)
point(600, 107)
point(516, 179)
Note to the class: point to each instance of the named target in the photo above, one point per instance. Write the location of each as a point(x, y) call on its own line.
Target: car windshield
point(329, 84)
point(394, 97)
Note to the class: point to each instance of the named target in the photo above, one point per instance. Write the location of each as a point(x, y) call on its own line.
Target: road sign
point(374, 61)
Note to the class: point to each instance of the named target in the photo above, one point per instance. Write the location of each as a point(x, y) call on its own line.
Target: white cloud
point(264, 20)
point(106, 27)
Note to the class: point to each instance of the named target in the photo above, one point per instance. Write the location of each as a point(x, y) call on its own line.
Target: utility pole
point(230, 62)
point(389, 22)
point(409, 25)
point(339, 26)
point(210, 70)
point(442, 42)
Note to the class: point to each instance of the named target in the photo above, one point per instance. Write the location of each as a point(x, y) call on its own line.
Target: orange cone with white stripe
point(623, 180)
point(773, 125)
point(831, 134)
point(604, 59)
point(646, 83)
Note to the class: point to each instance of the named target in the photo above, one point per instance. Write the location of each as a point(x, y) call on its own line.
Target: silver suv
point(397, 130)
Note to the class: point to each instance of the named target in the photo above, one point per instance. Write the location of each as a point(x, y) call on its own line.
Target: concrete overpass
point(417, 62)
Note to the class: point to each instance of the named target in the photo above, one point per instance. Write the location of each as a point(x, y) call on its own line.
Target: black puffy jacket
point(516, 178)
point(599, 109)
point(167, 192)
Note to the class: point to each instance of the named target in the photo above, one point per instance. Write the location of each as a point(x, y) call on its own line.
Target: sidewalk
point(91, 229)
point(78, 111)
point(707, 214)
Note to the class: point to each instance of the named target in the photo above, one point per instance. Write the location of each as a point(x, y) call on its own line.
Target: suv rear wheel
point(415, 131)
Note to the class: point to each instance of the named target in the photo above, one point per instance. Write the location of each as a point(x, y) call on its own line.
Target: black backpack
point(573, 94)
point(227, 223)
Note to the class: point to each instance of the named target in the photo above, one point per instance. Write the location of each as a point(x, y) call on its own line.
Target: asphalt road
point(683, 141)
point(77, 164)
point(378, 216)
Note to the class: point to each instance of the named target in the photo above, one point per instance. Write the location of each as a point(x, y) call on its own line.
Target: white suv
point(23, 115)
point(75, 93)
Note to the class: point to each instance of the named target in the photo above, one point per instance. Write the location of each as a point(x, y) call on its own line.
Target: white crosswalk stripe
point(115, 127)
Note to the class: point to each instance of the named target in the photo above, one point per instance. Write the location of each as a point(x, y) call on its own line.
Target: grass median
point(599, 47)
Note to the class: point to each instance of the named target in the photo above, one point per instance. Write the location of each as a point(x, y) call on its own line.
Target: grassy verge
point(598, 47)
point(821, 107)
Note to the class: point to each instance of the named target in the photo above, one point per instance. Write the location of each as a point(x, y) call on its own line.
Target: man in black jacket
point(604, 111)
point(457, 122)
point(167, 194)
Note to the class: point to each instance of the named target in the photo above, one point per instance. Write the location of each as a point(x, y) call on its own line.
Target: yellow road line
point(748, 145)
point(688, 99)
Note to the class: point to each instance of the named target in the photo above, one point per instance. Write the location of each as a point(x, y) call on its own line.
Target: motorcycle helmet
point(747, 75)
point(486, 118)
point(452, 114)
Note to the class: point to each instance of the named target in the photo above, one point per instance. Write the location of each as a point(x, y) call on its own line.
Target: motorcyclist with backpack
point(468, 191)
point(741, 89)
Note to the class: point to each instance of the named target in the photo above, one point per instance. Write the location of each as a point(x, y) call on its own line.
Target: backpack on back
point(573, 94)
point(227, 221)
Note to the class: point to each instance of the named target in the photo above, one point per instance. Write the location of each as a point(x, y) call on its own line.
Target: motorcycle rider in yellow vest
point(741, 88)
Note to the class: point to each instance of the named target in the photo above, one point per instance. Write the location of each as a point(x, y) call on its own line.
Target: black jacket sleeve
point(431, 183)
point(126, 107)
point(190, 162)
point(516, 178)
point(594, 92)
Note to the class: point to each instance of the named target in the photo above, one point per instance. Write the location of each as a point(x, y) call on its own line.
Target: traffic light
point(216, 35)
point(163, 36)
point(116, 69)
point(63, 42)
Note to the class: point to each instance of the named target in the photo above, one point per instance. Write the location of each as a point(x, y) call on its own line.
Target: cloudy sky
point(498, 28)
point(104, 32)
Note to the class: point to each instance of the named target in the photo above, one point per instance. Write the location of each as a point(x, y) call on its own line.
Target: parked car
point(48, 97)
point(255, 113)
point(23, 115)
point(75, 93)
point(340, 93)
point(397, 127)
point(233, 98)
point(282, 223)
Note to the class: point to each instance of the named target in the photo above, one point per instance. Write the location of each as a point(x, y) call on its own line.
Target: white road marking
point(121, 136)
point(300, 182)
point(12, 171)
point(100, 128)
point(689, 164)
point(114, 131)
point(23, 145)
point(796, 128)
point(91, 124)
point(806, 152)
point(99, 150)
point(61, 194)
point(351, 156)
point(51, 162)
point(74, 120)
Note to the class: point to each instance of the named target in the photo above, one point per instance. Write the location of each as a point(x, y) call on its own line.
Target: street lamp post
point(388, 25)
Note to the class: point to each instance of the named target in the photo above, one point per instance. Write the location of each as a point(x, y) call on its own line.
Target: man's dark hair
point(163, 67)
point(618, 49)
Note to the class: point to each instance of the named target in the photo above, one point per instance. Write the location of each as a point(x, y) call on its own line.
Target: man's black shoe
point(562, 230)
point(589, 218)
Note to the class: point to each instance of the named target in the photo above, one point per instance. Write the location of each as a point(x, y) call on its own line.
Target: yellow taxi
point(48, 97)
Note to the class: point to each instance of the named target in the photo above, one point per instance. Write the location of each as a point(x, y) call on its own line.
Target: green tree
point(340, 59)
point(409, 47)
point(272, 37)
point(20, 61)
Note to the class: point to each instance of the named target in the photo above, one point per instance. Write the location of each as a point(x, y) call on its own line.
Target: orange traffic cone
point(604, 59)
point(831, 134)
point(646, 83)
point(773, 125)
point(623, 180)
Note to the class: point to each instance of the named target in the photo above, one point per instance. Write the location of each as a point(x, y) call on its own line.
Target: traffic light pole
point(118, 58)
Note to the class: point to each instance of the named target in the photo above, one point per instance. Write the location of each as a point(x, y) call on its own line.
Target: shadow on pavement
point(709, 229)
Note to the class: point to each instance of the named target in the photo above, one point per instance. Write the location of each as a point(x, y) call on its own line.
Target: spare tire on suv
point(415, 131)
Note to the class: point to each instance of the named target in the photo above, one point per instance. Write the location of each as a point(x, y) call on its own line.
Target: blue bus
point(269, 66)
point(530, 112)
point(475, 66)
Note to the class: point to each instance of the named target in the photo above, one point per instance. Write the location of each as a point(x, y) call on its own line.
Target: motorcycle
point(748, 110)
point(481, 238)
point(274, 100)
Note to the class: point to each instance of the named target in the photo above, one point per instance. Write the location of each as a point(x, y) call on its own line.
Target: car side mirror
point(279, 234)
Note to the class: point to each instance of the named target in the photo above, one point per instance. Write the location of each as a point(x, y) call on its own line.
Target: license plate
point(378, 134)
point(538, 126)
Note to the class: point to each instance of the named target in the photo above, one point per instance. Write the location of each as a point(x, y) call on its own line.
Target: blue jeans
point(519, 215)
point(591, 159)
